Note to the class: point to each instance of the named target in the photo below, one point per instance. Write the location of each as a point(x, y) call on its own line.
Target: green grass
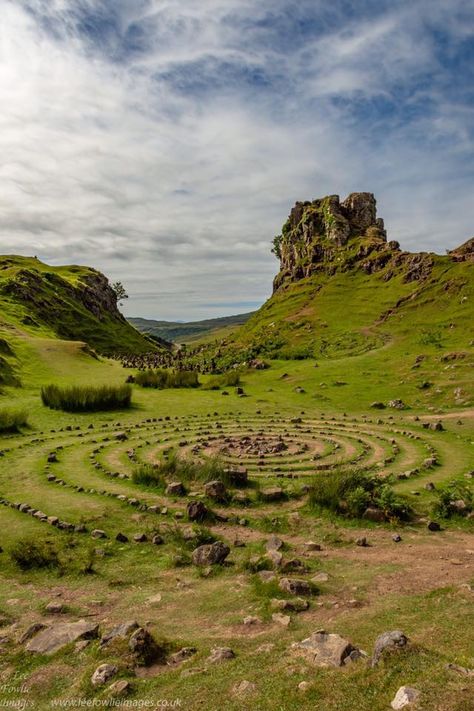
point(12, 420)
point(86, 399)
point(162, 379)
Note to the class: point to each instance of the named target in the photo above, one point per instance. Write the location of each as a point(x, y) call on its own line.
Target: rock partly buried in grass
point(210, 554)
point(326, 650)
point(98, 533)
point(196, 511)
point(405, 696)
point(238, 476)
point(433, 526)
point(388, 642)
point(272, 493)
point(53, 638)
point(215, 490)
point(298, 604)
point(140, 538)
point(121, 631)
point(175, 488)
point(372, 513)
point(244, 687)
point(181, 656)
point(295, 586)
point(377, 405)
point(274, 543)
point(121, 538)
point(280, 619)
point(220, 654)
point(54, 608)
point(119, 688)
point(103, 673)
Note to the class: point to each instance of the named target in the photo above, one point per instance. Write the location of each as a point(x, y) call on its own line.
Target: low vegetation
point(456, 498)
point(12, 420)
point(162, 379)
point(86, 398)
point(356, 493)
point(226, 380)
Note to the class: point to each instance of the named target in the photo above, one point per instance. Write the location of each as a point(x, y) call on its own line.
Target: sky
point(164, 142)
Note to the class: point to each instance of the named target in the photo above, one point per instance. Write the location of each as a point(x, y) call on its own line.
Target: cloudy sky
point(165, 141)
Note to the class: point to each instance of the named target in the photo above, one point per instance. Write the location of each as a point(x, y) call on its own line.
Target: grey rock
point(103, 673)
point(53, 638)
point(388, 641)
point(210, 554)
point(324, 649)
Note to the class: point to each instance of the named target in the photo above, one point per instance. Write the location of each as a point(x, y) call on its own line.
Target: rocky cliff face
point(329, 235)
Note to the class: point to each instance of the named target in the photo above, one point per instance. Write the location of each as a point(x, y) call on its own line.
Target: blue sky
point(165, 141)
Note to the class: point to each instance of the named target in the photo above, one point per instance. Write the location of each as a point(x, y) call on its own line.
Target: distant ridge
point(181, 332)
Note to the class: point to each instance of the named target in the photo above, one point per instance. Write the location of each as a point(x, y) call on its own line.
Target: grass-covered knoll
point(86, 399)
point(12, 419)
point(70, 302)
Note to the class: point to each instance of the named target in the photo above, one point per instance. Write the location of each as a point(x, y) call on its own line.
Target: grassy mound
point(86, 399)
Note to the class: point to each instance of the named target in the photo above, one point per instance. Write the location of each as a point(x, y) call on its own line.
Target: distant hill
point(189, 331)
point(72, 303)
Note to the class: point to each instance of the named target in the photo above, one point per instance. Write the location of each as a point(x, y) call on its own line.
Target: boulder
point(272, 493)
point(220, 654)
point(122, 630)
point(325, 650)
point(215, 490)
point(56, 637)
point(295, 586)
point(196, 511)
point(98, 533)
point(405, 696)
point(175, 488)
point(143, 647)
point(119, 688)
point(103, 673)
point(388, 641)
point(210, 554)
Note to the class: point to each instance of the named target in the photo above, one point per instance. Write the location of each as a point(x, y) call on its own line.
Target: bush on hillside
point(86, 398)
point(162, 379)
point(34, 553)
point(12, 420)
point(351, 493)
point(456, 498)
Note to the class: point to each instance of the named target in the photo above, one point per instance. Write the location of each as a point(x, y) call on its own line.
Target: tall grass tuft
point(351, 492)
point(162, 379)
point(149, 475)
point(12, 420)
point(86, 398)
point(227, 380)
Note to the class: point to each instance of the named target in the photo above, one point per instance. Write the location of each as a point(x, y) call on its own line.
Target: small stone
point(251, 620)
point(220, 654)
point(312, 546)
point(295, 586)
point(320, 578)
point(362, 542)
point(121, 538)
point(244, 687)
point(396, 538)
point(54, 608)
point(98, 533)
point(283, 620)
point(140, 538)
point(210, 554)
point(119, 688)
point(103, 673)
point(388, 641)
point(157, 540)
point(433, 526)
point(274, 543)
point(405, 696)
point(304, 686)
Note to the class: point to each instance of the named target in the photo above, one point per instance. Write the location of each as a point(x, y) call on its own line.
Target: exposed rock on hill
point(329, 235)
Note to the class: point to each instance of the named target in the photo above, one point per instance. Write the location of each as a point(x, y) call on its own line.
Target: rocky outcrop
point(316, 231)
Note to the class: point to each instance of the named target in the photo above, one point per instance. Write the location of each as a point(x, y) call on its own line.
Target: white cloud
point(165, 142)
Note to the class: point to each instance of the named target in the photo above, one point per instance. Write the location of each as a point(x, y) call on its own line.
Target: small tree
point(276, 249)
point(119, 290)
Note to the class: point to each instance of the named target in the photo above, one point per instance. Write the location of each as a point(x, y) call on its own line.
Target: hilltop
point(71, 303)
point(189, 331)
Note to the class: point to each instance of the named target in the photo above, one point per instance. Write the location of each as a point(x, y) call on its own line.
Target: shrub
point(12, 420)
point(31, 553)
point(86, 398)
point(162, 379)
point(352, 492)
point(186, 469)
point(450, 496)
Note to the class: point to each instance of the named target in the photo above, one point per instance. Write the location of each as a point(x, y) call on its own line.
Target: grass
point(162, 379)
point(12, 420)
point(86, 399)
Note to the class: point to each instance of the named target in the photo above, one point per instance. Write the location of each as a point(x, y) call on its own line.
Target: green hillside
point(71, 303)
point(189, 331)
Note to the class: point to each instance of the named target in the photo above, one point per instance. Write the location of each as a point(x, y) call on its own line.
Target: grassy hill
point(191, 331)
point(72, 303)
